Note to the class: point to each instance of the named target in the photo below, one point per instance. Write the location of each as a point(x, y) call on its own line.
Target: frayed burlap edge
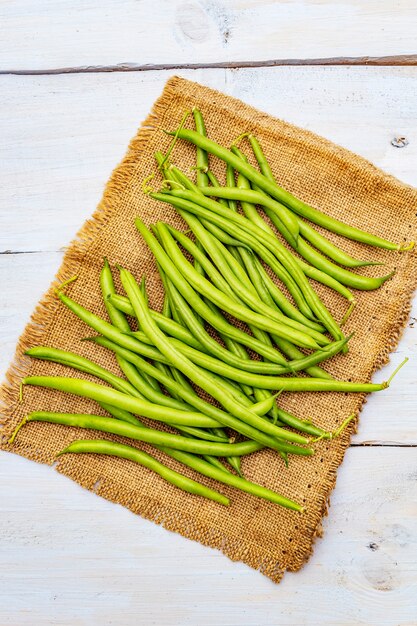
point(252, 554)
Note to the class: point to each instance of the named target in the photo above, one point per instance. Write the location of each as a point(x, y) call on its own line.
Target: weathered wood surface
point(47, 34)
point(67, 557)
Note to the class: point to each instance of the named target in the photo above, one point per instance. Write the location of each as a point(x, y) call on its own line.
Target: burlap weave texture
point(338, 182)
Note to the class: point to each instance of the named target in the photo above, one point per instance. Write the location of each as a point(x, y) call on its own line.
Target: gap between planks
point(383, 61)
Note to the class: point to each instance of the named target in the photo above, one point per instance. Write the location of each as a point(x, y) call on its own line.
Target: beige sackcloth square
point(258, 533)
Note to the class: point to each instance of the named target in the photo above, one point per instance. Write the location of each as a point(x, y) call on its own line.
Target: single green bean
point(110, 448)
point(202, 157)
point(329, 249)
point(303, 426)
point(138, 433)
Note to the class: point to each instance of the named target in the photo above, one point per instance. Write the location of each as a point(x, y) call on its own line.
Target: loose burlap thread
point(260, 534)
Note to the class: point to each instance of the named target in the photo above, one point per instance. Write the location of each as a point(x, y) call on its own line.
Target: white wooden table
point(346, 70)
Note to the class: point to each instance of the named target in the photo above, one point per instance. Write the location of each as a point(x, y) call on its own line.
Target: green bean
point(303, 310)
point(258, 240)
point(123, 451)
point(326, 279)
point(293, 353)
point(266, 287)
point(138, 433)
point(166, 310)
point(205, 469)
point(263, 281)
point(250, 210)
point(181, 380)
point(110, 331)
point(201, 433)
point(214, 460)
point(303, 426)
point(215, 183)
point(241, 312)
point(202, 157)
point(309, 233)
point(118, 319)
point(240, 417)
point(116, 398)
point(121, 414)
point(299, 207)
point(176, 383)
point(239, 483)
point(221, 284)
point(82, 364)
point(341, 275)
point(127, 417)
point(231, 182)
point(222, 475)
point(218, 322)
point(318, 262)
point(329, 249)
point(253, 299)
point(315, 272)
point(220, 234)
point(231, 345)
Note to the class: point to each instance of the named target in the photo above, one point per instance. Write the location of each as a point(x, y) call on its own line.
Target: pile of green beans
point(218, 271)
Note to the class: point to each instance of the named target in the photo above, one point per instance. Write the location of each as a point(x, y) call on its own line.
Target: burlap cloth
point(340, 183)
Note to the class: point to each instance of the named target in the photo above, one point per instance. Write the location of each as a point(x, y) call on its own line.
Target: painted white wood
point(70, 558)
point(387, 417)
point(62, 135)
point(49, 34)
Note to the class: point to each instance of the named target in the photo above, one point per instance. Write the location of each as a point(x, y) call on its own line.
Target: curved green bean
point(110, 448)
point(202, 157)
point(138, 433)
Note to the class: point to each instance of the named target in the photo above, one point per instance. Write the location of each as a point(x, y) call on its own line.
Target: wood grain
point(47, 35)
point(66, 556)
point(69, 558)
point(62, 135)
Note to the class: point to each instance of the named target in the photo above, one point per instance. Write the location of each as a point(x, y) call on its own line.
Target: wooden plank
point(62, 135)
point(65, 561)
point(50, 34)
point(388, 417)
